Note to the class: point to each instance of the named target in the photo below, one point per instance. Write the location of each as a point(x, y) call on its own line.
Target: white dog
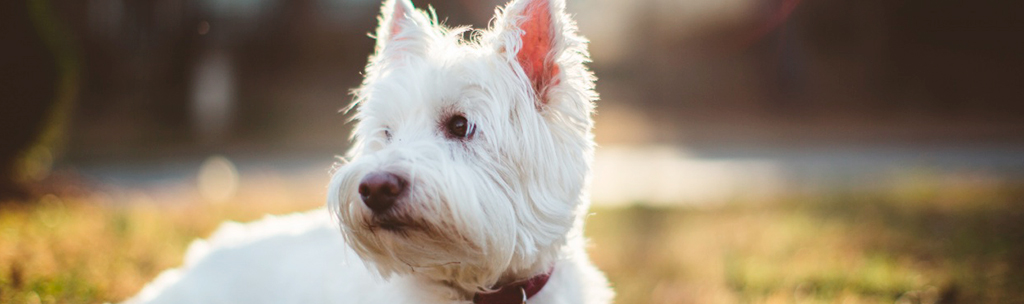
point(467, 181)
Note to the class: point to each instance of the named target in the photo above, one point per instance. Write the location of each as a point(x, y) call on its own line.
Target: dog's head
point(471, 157)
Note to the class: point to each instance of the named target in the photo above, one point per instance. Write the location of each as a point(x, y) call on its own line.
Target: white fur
point(504, 205)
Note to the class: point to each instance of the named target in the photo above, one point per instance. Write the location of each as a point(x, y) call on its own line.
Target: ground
point(949, 244)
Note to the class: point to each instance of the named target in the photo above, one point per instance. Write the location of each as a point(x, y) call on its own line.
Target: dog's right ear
point(403, 30)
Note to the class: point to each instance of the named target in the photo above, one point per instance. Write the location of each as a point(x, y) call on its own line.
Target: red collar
point(513, 293)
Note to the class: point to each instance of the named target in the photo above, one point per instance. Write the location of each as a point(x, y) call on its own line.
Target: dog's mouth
point(392, 224)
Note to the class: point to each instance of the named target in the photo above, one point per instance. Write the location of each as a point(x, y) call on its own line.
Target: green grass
point(916, 245)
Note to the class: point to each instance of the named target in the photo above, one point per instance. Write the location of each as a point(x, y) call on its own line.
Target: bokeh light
point(217, 179)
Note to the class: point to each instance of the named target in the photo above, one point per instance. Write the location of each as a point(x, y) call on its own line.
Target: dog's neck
point(512, 277)
point(514, 292)
point(543, 265)
point(508, 278)
point(523, 266)
point(507, 288)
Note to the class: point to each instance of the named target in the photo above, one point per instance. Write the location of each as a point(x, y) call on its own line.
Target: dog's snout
point(380, 190)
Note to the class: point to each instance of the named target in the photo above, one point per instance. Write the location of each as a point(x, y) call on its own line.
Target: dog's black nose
point(380, 190)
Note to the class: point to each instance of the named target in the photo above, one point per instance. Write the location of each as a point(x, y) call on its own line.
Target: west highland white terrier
point(467, 181)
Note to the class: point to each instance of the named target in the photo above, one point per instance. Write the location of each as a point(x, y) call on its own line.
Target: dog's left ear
point(535, 34)
point(403, 30)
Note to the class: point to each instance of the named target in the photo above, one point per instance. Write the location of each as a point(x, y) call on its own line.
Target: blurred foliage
point(913, 245)
point(37, 160)
point(34, 142)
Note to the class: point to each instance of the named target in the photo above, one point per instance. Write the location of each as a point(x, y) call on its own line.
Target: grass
point(916, 245)
point(951, 245)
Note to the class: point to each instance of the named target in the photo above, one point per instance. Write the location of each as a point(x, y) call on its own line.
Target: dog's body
point(301, 258)
point(467, 180)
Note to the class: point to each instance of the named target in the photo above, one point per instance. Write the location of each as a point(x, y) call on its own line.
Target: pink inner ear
point(396, 17)
point(538, 41)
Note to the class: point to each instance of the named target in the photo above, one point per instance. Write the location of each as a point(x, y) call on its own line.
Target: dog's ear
point(402, 30)
point(535, 34)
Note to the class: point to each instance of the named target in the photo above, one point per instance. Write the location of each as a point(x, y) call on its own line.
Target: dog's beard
point(453, 224)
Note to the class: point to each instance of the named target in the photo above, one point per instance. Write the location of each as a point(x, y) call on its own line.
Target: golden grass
point(952, 245)
point(960, 245)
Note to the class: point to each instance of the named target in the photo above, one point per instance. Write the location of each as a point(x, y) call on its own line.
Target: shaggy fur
point(502, 204)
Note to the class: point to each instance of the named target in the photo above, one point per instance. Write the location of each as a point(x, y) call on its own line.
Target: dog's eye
point(458, 127)
point(387, 134)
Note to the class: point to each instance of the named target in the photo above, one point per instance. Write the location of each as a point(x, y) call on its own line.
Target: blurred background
point(750, 150)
